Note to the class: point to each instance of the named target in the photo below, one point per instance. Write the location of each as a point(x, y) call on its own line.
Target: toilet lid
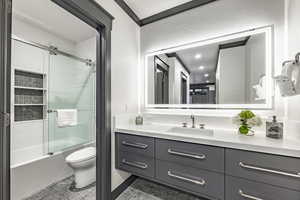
point(81, 155)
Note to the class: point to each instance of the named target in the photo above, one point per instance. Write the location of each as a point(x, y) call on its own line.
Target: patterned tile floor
point(139, 190)
point(60, 191)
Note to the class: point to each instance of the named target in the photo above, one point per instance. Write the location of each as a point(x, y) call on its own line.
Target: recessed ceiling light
point(207, 81)
point(198, 56)
point(201, 67)
point(206, 75)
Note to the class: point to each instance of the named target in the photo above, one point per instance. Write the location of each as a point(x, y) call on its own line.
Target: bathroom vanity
point(219, 166)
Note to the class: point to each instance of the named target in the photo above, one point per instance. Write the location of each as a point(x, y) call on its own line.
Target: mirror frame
point(268, 105)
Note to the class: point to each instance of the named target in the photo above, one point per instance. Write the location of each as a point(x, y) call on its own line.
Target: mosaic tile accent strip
point(25, 96)
point(27, 79)
point(26, 113)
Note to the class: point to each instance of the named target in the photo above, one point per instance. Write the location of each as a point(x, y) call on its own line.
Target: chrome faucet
point(193, 121)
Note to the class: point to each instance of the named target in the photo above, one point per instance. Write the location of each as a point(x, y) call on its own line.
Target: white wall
point(33, 33)
point(247, 65)
point(232, 75)
point(255, 65)
point(125, 75)
point(216, 19)
point(293, 40)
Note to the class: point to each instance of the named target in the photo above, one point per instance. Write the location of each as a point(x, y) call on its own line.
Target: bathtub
point(32, 170)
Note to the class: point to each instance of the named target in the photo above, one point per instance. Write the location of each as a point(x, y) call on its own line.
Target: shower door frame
point(94, 15)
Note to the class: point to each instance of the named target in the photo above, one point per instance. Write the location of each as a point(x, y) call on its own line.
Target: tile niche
point(29, 95)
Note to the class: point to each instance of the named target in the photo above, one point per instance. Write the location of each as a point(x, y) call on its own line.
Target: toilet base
point(73, 188)
point(84, 176)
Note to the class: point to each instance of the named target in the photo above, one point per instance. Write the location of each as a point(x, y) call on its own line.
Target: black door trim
point(93, 14)
point(5, 68)
point(121, 188)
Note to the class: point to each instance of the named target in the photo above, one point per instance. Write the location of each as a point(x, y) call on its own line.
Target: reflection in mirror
point(230, 70)
point(161, 73)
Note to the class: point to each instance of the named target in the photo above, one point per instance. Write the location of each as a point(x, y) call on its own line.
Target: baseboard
point(123, 187)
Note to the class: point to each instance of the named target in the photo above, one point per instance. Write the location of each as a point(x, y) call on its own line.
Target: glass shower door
point(71, 85)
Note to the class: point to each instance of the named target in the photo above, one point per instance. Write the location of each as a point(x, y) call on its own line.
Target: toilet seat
point(82, 155)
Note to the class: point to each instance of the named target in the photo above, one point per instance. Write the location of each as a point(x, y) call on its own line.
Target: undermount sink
point(193, 131)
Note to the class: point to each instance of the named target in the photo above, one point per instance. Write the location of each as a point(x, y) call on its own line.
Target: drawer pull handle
point(248, 196)
point(297, 175)
point(136, 145)
point(201, 157)
point(135, 164)
point(198, 182)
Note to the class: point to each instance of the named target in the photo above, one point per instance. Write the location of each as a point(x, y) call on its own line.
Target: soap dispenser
point(274, 129)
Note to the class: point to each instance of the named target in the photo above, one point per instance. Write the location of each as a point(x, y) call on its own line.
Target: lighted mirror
point(232, 71)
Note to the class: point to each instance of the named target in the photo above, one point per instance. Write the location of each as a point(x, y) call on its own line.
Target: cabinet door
point(270, 169)
point(201, 182)
point(136, 164)
point(193, 155)
point(135, 144)
point(242, 189)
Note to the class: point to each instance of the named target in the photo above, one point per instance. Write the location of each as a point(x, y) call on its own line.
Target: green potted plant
point(246, 120)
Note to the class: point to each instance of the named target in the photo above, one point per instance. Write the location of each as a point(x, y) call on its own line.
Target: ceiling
point(209, 54)
point(144, 12)
point(147, 8)
point(50, 17)
point(209, 57)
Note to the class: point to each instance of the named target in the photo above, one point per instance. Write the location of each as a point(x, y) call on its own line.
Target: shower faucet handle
point(202, 126)
point(184, 125)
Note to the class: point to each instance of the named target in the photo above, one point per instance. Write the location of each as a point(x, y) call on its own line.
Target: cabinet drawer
point(194, 155)
point(135, 144)
point(240, 189)
point(201, 182)
point(136, 164)
point(271, 169)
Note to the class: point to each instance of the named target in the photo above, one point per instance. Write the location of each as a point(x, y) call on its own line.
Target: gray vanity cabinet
point(266, 168)
point(215, 173)
point(137, 164)
point(193, 155)
point(198, 181)
point(194, 168)
point(135, 154)
point(136, 144)
point(243, 189)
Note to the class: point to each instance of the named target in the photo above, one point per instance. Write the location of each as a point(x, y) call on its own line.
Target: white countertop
point(221, 138)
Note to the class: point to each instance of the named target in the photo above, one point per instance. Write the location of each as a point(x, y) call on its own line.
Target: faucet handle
point(184, 124)
point(202, 126)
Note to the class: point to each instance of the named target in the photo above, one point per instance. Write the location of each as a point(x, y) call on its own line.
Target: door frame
point(5, 69)
point(94, 15)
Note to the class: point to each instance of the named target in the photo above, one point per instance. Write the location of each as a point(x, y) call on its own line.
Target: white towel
point(66, 117)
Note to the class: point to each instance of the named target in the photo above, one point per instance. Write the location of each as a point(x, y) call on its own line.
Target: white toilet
point(83, 163)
